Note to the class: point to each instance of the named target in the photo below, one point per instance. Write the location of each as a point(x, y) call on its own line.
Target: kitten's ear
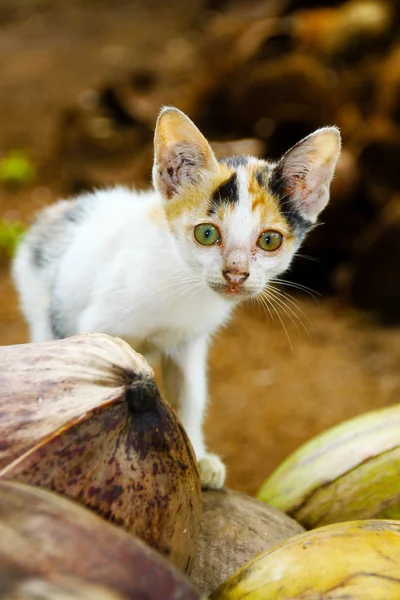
point(181, 153)
point(304, 174)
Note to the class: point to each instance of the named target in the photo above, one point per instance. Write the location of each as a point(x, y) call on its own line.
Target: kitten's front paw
point(212, 472)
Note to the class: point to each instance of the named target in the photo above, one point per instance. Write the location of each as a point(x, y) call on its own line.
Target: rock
point(348, 472)
point(234, 528)
point(83, 416)
point(353, 560)
point(52, 548)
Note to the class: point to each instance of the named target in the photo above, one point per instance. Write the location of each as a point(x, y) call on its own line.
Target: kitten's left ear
point(304, 174)
point(181, 153)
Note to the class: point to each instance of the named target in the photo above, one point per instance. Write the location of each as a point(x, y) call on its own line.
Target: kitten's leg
point(184, 371)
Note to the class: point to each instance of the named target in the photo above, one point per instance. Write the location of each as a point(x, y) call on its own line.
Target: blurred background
point(81, 83)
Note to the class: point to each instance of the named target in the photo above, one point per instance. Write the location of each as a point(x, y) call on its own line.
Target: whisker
point(307, 257)
point(176, 284)
point(268, 300)
point(297, 286)
point(179, 292)
point(176, 280)
point(179, 287)
point(294, 302)
point(283, 306)
point(202, 287)
point(287, 295)
point(286, 308)
point(179, 275)
point(265, 307)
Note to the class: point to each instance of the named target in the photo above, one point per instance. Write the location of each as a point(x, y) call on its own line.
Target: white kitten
point(164, 269)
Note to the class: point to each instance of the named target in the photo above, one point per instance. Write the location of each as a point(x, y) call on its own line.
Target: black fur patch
point(226, 193)
point(38, 256)
point(235, 161)
point(76, 212)
point(57, 331)
point(41, 253)
point(287, 205)
point(261, 176)
point(55, 320)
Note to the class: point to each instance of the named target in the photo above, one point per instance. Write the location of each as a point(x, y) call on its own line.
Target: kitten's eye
point(207, 234)
point(270, 240)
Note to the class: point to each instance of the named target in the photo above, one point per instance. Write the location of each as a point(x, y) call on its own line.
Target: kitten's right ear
point(181, 153)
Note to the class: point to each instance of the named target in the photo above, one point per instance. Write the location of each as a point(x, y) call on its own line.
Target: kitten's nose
point(233, 277)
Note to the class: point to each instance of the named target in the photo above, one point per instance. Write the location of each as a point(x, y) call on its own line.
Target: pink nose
point(233, 277)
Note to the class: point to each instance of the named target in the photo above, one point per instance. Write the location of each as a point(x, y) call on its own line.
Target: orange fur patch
point(157, 215)
point(258, 201)
point(265, 203)
point(254, 186)
point(194, 197)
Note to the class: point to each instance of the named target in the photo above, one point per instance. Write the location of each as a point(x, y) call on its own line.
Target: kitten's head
point(240, 220)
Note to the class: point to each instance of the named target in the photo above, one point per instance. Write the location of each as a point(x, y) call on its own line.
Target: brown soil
point(266, 398)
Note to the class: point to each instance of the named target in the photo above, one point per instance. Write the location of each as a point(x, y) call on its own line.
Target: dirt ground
point(266, 398)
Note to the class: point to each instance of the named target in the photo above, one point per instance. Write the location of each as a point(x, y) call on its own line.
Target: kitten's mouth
point(230, 291)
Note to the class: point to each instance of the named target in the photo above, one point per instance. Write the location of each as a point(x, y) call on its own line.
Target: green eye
point(207, 234)
point(270, 240)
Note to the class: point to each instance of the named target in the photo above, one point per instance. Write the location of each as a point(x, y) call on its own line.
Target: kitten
point(164, 269)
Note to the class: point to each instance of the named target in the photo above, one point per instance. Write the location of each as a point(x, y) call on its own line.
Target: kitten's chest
point(188, 317)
